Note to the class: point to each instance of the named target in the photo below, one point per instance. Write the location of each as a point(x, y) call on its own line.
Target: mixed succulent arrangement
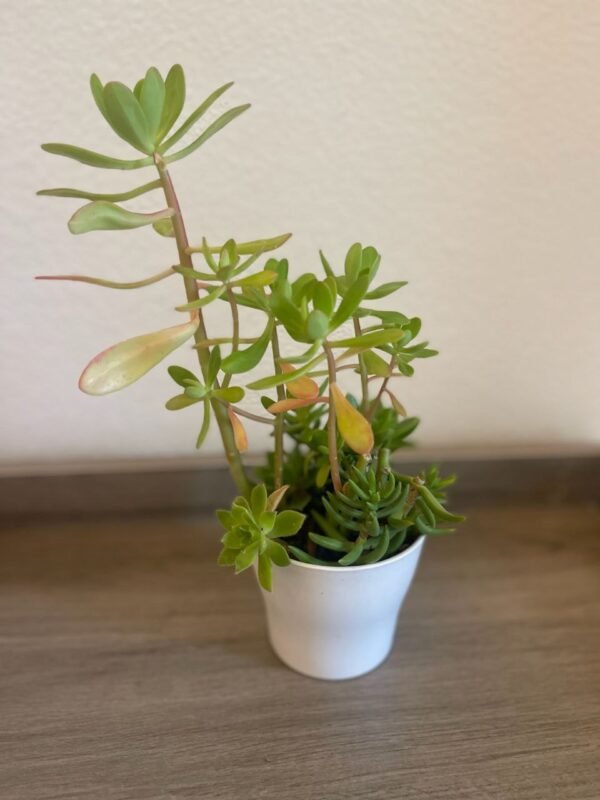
point(328, 493)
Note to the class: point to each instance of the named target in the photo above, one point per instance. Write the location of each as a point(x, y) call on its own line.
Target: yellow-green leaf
point(353, 427)
point(126, 362)
point(100, 215)
point(126, 116)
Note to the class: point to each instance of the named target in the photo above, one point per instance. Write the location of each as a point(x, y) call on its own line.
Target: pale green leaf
point(92, 159)
point(101, 215)
point(126, 362)
point(213, 128)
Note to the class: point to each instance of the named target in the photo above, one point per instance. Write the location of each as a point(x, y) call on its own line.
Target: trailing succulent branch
point(329, 493)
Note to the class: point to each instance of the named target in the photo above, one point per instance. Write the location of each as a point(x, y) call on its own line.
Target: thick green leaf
point(385, 289)
point(126, 116)
point(258, 500)
point(245, 360)
point(317, 325)
point(287, 313)
point(214, 365)
point(98, 95)
point(326, 265)
point(277, 553)
point(181, 376)
point(231, 394)
point(205, 425)
point(246, 557)
point(323, 297)
point(288, 523)
point(113, 198)
point(213, 128)
point(352, 263)
point(174, 100)
point(180, 401)
point(249, 248)
point(152, 100)
point(101, 215)
point(264, 278)
point(202, 301)
point(278, 380)
point(164, 227)
point(351, 301)
point(195, 116)
point(373, 339)
point(375, 364)
point(92, 159)
point(126, 362)
point(265, 572)
point(188, 272)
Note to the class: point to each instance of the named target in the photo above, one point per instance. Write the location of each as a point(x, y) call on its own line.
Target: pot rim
point(398, 557)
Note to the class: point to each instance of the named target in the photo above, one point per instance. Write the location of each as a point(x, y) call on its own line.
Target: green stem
point(364, 376)
point(235, 333)
point(191, 289)
point(279, 420)
point(331, 426)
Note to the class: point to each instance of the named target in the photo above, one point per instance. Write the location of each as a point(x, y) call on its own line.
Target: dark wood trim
point(204, 488)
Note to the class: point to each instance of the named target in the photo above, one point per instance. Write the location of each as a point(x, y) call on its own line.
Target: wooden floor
point(132, 667)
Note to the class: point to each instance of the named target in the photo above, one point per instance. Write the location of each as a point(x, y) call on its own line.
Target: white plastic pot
point(338, 622)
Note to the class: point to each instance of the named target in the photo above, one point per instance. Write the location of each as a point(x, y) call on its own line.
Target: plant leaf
point(265, 572)
point(231, 394)
point(317, 325)
point(195, 116)
point(213, 128)
point(288, 523)
point(350, 301)
point(245, 360)
point(239, 432)
point(375, 364)
point(303, 388)
point(92, 159)
point(124, 363)
point(385, 289)
point(291, 403)
point(202, 301)
point(126, 116)
point(354, 429)
point(205, 425)
point(181, 401)
point(114, 198)
point(174, 100)
point(373, 339)
point(264, 278)
point(101, 215)
point(277, 553)
point(277, 380)
point(152, 100)
point(106, 283)
point(397, 405)
point(182, 376)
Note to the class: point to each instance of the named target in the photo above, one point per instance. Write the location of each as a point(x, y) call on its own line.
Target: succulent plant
point(345, 503)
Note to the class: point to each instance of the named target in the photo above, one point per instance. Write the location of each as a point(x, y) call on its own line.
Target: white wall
point(461, 138)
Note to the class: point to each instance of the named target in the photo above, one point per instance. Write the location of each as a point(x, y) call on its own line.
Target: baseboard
point(205, 485)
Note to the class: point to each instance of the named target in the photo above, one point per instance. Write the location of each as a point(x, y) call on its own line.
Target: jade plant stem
point(331, 425)
point(191, 289)
point(364, 377)
point(279, 420)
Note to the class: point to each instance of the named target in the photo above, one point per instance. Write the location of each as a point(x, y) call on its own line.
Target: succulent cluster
point(345, 504)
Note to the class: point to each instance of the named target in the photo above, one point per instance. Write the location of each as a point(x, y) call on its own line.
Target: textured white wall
point(461, 138)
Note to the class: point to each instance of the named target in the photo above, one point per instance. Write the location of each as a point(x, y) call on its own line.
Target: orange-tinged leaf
point(398, 407)
point(239, 432)
point(126, 362)
point(353, 427)
point(302, 388)
point(294, 402)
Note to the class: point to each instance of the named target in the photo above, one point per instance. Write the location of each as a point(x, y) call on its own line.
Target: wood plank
point(203, 488)
point(133, 668)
